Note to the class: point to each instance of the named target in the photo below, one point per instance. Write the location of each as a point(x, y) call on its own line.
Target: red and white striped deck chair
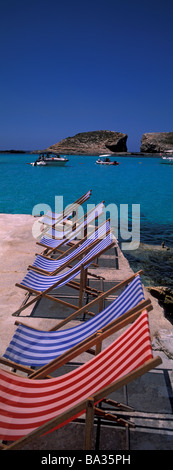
point(31, 408)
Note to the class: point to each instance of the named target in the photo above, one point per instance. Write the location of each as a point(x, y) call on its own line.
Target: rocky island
point(91, 143)
point(107, 142)
point(156, 142)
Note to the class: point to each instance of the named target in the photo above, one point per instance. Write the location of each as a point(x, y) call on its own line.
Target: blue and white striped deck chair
point(54, 239)
point(34, 348)
point(52, 218)
point(47, 265)
point(53, 235)
point(41, 285)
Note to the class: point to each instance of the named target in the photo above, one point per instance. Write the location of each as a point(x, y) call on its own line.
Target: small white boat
point(50, 159)
point(37, 163)
point(105, 160)
point(167, 160)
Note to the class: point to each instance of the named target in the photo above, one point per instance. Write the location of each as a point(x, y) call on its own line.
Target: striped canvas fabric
point(36, 348)
point(51, 218)
point(26, 404)
point(48, 220)
point(70, 235)
point(40, 282)
point(51, 265)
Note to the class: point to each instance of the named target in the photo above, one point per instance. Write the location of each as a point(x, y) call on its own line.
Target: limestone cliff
point(91, 143)
point(156, 142)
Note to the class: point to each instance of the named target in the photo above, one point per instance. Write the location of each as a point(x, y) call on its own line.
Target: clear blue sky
point(70, 66)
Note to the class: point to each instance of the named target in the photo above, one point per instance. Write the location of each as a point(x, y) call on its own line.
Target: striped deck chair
point(54, 239)
point(52, 218)
point(42, 285)
point(34, 348)
point(47, 265)
point(31, 408)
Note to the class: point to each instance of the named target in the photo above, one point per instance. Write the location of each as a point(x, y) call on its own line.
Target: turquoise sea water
point(136, 180)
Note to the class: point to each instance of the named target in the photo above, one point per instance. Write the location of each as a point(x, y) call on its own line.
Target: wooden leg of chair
point(111, 417)
point(101, 302)
point(85, 278)
point(127, 437)
point(82, 276)
point(98, 343)
point(101, 305)
point(89, 424)
point(116, 404)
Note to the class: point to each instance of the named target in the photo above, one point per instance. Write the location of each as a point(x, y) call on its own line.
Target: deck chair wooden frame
point(63, 399)
point(67, 212)
point(69, 247)
point(93, 341)
point(125, 305)
point(68, 280)
point(72, 232)
point(53, 230)
point(75, 252)
point(86, 309)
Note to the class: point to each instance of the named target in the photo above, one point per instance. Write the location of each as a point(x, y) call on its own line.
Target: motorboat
point(105, 160)
point(50, 159)
point(38, 163)
point(167, 158)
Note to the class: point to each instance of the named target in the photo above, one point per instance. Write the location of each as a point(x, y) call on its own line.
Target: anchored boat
point(50, 159)
point(105, 160)
point(167, 158)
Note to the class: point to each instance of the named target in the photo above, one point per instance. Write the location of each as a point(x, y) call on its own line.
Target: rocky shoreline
point(157, 265)
point(120, 154)
point(164, 295)
point(157, 142)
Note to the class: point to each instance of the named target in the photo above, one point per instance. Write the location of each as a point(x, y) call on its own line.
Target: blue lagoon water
point(136, 180)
